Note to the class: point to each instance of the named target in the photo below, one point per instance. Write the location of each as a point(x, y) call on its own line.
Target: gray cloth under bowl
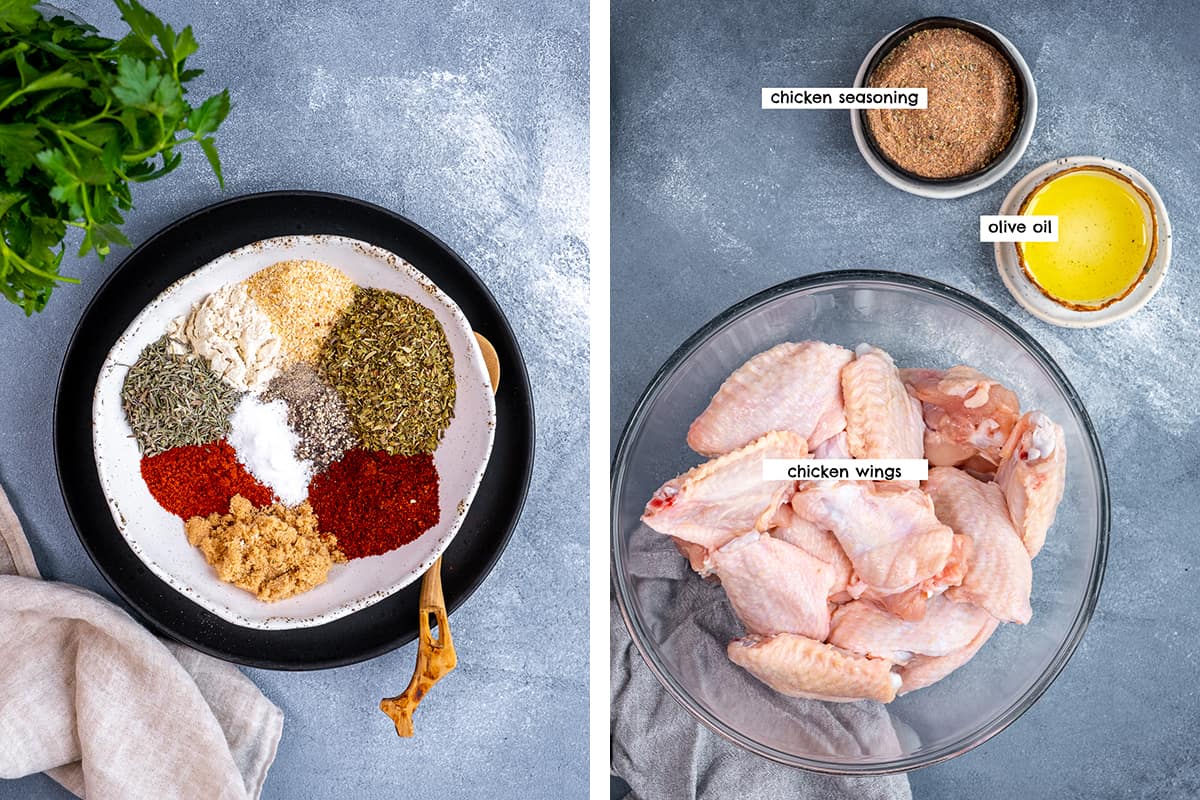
point(662, 752)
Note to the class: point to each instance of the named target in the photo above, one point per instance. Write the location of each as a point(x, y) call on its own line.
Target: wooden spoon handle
point(435, 657)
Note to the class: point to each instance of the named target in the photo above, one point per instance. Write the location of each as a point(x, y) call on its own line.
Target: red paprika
point(374, 502)
point(198, 480)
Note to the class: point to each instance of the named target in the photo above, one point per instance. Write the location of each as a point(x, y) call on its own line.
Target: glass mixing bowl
point(681, 624)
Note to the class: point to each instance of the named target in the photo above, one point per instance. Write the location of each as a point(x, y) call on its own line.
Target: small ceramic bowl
point(1033, 299)
point(947, 188)
point(157, 536)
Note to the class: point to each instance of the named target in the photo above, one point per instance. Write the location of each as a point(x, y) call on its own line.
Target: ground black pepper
point(315, 412)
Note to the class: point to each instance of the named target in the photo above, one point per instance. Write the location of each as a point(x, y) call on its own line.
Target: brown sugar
point(273, 552)
point(972, 104)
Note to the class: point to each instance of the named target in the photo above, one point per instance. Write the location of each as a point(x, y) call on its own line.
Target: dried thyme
point(171, 401)
point(389, 359)
point(315, 412)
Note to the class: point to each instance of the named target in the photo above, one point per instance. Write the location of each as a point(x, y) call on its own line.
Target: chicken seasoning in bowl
point(972, 108)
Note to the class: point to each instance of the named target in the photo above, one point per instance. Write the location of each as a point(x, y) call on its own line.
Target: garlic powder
point(228, 330)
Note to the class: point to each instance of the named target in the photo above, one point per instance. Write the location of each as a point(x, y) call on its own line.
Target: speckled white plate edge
point(1042, 307)
point(949, 191)
point(232, 268)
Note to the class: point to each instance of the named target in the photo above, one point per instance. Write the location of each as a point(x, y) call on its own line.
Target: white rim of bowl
point(1041, 306)
point(949, 191)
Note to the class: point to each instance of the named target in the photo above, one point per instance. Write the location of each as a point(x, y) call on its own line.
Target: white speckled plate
point(157, 536)
point(1043, 307)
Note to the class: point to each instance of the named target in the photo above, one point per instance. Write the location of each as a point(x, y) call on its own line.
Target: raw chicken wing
point(999, 576)
point(946, 627)
point(922, 671)
point(725, 497)
point(835, 446)
point(775, 587)
point(802, 667)
point(791, 387)
point(697, 555)
point(816, 542)
point(1032, 476)
point(889, 533)
point(966, 414)
point(882, 419)
point(910, 604)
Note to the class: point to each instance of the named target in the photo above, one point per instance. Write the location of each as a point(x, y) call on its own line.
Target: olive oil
point(1106, 237)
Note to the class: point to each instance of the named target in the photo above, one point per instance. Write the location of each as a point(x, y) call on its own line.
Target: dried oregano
point(389, 359)
point(171, 401)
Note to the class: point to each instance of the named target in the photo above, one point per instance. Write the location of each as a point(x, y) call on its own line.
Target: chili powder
point(200, 479)
point(374, 502)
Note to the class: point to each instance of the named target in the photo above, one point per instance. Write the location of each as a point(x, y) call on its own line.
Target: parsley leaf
point(209, 115)
point(17, 12)
point(82, 118)
point(137, 82)
point(19, 143)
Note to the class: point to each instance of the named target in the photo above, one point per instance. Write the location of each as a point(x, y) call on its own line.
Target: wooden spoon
point(491, 360)
point(435, 657)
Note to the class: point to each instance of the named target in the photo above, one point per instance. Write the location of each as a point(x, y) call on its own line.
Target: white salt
point(266, 446)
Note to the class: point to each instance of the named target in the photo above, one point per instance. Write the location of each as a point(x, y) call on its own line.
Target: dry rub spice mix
point(972, 110)
point(290, 420)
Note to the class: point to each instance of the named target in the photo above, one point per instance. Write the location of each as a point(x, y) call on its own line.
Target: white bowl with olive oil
point(1113, 248)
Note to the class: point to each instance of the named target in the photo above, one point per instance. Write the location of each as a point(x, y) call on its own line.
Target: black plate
point(180, 249)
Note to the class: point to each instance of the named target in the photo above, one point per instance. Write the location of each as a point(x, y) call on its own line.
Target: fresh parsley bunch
point(83, 117)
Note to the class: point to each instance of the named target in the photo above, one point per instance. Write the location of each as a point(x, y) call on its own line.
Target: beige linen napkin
point(108, 710)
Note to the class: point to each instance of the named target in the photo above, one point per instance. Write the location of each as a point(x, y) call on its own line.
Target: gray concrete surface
point(714, 199)
point(471, 119)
